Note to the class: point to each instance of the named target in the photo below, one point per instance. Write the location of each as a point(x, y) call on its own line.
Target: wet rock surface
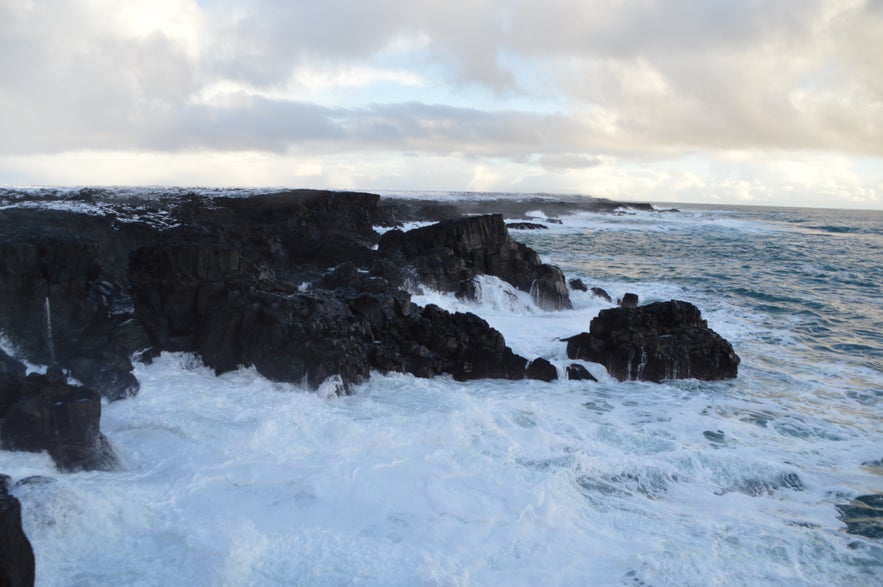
point(448, 255)
point(16, 555)
point(863, 516)
point(290, 282)
point(662, 340)
point(542, 370)
point(46, 413)
point(576, 372)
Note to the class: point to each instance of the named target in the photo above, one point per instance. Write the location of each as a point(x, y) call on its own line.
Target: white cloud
point(557, 94)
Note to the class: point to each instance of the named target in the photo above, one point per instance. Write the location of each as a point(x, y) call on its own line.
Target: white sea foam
point(237, 480)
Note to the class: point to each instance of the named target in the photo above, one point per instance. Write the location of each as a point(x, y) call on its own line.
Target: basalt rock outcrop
point(207, 298)
point(45, 413)
point(248, 281)
point(16, 555)
point(662, 340)
point(448, 255)
point(542, 370)
point(577, 372)
point(57, 308)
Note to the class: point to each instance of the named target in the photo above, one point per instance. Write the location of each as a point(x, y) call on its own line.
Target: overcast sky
point(719, 101)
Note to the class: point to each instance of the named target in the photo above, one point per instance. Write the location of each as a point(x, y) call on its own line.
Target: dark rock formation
point(600, 293)
point(398, 210)
point(629, 300)
point(577, 372)
point(461, 344)
point(16, 555)
point(296, 229)
point(577, 285)
point(56, 307)
point(12, 378)
point(663, 340)
point(44, 412)
point(448, 255)
point(863, 516)
point(542, 370)
point(203, 297)
point(526, 226)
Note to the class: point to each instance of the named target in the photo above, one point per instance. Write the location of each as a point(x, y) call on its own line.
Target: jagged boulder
point(577, 285)
point(601, 293)
point(47, 413)
point(576, 372)
point(203, 297)
point(542, 370)
point(863, 516)
point(662, 340)
point(448, 255)
point(629, 300)
point(17, 565)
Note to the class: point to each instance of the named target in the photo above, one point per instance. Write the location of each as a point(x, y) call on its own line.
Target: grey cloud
point(251, 124)
point(444, 129)
point(263, 45)
point(567, 161)
point(640, 77)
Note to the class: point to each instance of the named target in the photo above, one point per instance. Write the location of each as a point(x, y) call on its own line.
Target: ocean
point(237, 480)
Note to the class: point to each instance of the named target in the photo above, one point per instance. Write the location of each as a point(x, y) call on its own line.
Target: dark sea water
point(235, 480)
point(816, 274)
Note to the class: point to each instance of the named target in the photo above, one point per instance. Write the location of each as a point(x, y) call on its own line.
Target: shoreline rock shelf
point(448, 256)
point(295, 283)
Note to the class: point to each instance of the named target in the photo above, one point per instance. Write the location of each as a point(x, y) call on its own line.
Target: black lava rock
point(577, 372)
point(663, 340)
point(448, 255)
point(577, 285)
point(600, 293)
point(629, 300)
point(49, 414)
point(542, 370)
point(17, 565)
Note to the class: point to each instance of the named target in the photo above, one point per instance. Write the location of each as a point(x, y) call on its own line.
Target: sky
point(767, 102)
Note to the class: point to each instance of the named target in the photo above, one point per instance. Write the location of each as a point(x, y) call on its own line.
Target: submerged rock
point(16, 555)
point(577, 285)
point(663, 340)
point(57, 309)
point(600, 293)
point(863, 516)
point(576, 372)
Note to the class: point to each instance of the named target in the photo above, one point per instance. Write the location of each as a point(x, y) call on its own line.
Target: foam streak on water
point(235, 480)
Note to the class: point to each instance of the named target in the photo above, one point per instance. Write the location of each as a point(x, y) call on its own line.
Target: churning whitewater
point(237, 480)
